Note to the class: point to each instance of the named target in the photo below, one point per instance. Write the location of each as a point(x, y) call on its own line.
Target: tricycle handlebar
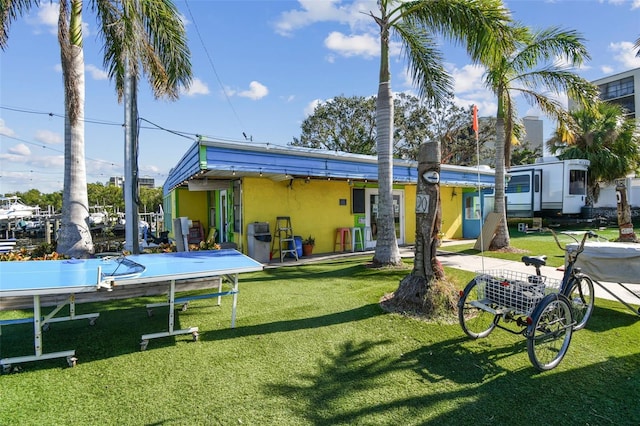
point(587, 234)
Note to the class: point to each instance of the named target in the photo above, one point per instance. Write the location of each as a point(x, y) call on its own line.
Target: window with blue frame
point(518, 184)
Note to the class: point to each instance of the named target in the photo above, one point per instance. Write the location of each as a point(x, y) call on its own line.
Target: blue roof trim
point(242, 159)
point(188, 166)
point(297, 165)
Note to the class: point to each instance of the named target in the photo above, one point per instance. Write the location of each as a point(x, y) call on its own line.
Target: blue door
point(471, 215)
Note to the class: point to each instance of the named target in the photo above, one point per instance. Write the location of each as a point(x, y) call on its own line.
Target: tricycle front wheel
point(580, 294)
point(549, 332)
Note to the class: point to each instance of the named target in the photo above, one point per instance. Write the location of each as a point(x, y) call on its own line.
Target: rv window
point(536, 183)
point(518, 184)
point(577, 182)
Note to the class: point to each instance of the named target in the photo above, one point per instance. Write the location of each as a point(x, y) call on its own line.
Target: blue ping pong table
point(73, 276)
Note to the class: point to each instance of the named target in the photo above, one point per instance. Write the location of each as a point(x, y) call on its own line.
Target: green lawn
point(312, 347)
point(537, 243)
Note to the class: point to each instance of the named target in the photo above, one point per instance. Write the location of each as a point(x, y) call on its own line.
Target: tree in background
point(341, 124)
point(348, 125)
point(525, 70)
point(605, 137)
point(99, 194)
point(524, 154)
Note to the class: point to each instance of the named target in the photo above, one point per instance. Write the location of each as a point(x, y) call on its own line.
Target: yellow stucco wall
point(451, 204)
point(314, 208)
point(192, 204)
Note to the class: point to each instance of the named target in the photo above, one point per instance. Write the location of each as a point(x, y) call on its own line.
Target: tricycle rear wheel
point(549, 332)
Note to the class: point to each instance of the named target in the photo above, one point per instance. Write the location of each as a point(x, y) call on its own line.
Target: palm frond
point(552, 44)
point(151, 37)
point(425, 63)
point(481, 26)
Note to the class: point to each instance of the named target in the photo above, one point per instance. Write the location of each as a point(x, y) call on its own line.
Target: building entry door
point(372, 200)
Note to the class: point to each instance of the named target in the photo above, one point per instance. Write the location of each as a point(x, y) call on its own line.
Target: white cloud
point(256, 91)
point(606, 69)
point(48, 137)
point(198, 87)
point(311, 106)
point(467, 79)
point(624, 53)
point(48, 15)
point(4, 130)
point(95, 72)
point(353, 45)
point(354, 14)
point(20, 150)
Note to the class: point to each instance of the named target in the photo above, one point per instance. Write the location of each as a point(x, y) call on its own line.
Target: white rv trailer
point(549, 187)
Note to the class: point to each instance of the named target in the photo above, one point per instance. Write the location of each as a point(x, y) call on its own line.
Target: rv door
point(577, 191)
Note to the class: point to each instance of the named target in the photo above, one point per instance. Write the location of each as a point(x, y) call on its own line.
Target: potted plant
point(307, 246)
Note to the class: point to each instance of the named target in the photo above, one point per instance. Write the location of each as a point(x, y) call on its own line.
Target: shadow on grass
point(356, 314)
point(332, 269)
point(115, 333)
point(489, 395)
point(604, 318)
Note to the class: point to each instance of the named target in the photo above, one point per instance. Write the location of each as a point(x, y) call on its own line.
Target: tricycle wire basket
point(516, 291)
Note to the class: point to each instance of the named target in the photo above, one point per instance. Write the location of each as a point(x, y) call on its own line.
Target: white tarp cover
point(610, 261)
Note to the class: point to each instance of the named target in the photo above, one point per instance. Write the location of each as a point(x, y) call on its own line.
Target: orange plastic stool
point(343, 237)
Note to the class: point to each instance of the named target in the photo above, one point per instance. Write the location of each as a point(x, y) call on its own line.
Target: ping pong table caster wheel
point(195, 336)
point(143, 345)
point(184, 307)
point(149, 313)
point(6, 368)
point(72, 361)
point(45, 326)
point(92, 321)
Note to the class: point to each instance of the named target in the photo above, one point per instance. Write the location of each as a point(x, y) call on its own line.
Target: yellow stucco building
point(223, 187)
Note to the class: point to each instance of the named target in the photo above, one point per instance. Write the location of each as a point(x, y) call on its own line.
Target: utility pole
point(131, 199)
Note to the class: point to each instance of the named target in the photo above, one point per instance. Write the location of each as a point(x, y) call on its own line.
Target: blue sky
point(259, 69)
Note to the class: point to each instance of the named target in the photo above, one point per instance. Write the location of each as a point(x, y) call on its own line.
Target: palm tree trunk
point(501, 237)
point(387, 252)
point(75, 237)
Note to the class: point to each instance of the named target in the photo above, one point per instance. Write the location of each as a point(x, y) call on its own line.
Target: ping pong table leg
point(6, 363)
point(37, 326)
point(172, 298)
point(235, 301)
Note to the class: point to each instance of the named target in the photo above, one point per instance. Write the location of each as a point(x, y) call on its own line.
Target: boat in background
point(14, 208)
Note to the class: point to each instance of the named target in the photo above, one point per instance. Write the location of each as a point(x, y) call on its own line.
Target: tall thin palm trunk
point(501, 238)
point(75, 237)
point(387, 252)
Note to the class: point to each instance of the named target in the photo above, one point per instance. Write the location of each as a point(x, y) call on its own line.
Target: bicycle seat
point(535, 260)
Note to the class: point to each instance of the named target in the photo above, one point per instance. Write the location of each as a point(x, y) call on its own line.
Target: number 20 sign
point(422, 203)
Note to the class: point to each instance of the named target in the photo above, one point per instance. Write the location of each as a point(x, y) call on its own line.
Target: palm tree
point(526, 70)
point(145, 34)
point(478, 25)
point(605, 137)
